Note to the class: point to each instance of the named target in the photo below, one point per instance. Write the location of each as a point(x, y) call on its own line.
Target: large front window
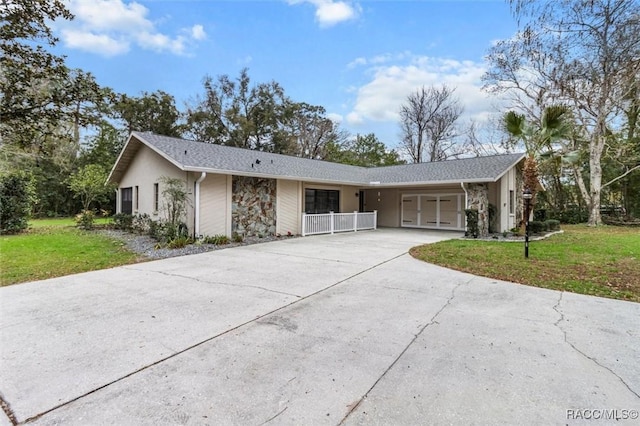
point(321, 201)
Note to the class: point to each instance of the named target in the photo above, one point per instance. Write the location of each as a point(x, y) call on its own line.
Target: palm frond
point(514, 123)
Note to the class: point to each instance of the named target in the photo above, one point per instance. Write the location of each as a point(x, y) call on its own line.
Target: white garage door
point(442, 211)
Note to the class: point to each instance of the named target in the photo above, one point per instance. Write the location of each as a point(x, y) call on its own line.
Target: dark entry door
point(126, 200)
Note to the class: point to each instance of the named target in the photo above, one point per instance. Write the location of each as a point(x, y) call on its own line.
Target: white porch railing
point(330, 223)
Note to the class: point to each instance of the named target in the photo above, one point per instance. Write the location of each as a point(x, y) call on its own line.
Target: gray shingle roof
point(200, 156)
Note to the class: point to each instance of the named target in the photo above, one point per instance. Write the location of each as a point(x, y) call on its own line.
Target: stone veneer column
point(478, 196)
point(253, 206)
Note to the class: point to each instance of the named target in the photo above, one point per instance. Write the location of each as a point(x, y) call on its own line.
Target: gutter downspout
point(466, 204)
point(196, 213)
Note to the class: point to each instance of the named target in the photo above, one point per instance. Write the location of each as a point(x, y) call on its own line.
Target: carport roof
point(211, 158)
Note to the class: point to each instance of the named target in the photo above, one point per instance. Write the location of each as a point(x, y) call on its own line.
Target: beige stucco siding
point(288, 206)
point(215, 197)
point(387, 202)
point(349, 198)
point(145, 170)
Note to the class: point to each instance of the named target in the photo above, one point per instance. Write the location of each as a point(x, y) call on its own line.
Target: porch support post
point(355, 221)
point(375, 219)
point(331, 218)
point(304, 224)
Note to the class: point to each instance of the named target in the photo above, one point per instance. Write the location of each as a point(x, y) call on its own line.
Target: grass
point(62, 221)
point(53, 248)
point(603, 261)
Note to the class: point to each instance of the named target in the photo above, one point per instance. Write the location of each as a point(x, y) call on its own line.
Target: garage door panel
point(410, 210)
point(433, 211)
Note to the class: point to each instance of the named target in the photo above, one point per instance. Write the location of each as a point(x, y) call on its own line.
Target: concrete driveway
point(319, 330)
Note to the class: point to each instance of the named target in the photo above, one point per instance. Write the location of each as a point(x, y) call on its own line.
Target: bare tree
point(482, 138)
point(310, 131)
point(428, 122)
point(582, 53)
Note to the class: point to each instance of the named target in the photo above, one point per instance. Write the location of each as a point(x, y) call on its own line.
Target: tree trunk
point(595, 181)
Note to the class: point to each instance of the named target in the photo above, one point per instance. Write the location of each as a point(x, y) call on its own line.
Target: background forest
point(570, 78)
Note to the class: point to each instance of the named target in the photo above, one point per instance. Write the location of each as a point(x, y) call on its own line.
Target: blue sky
point(358, 59)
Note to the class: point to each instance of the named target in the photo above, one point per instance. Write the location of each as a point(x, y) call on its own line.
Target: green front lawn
point(603, 261)
point(53, 248)
point(62, 221)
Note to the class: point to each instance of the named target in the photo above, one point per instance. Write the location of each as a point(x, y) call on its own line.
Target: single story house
point(234, 190)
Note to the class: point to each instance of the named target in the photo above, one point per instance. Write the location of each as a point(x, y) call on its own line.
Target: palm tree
point(553, 126)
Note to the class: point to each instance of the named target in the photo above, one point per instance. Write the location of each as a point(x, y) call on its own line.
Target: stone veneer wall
point(478, 196)
point(253, 206)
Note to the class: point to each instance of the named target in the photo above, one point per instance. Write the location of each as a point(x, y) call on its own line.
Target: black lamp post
point(527, 196)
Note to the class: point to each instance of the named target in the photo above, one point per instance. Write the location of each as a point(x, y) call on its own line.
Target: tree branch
point(621, 176)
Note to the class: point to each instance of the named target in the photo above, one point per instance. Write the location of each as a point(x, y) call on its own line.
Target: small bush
point(552, 225)
point(141, 223)
point(122, 221)
point(572, 216)
point(536, 227)
point(237, 238)
point(163, 232)
point(84, 220)
point(218, 240)
point(179, 242)
point(472, 223)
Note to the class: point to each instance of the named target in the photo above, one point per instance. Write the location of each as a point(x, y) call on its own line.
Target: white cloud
point(90, 42)
point(379, 99)
point(197, 32)
point(336, 118)
point(332, 12)
point(111, 27)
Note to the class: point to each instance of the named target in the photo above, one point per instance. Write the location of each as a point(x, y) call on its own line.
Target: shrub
point(573, 215)
point(472, 223)
point(122, 221)
point(218, 240)
point(237, 238)
point(84, 220)
point(552, 224)
point(141, 223)
point(17, 196)
point(166, 231)
point(179, 242)
point(536, 227)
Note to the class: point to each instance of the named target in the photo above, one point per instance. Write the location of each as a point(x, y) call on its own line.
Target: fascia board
point(113, 169)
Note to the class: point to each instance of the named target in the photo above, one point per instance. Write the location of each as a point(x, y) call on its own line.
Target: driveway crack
point(557, 308)
point(216, 282)
point(8, 411)
point(432, 321)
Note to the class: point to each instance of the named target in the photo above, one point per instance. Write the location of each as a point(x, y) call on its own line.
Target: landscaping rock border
point(512, 238)
point(144, 245)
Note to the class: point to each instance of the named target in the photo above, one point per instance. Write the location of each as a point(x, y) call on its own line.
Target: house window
point(136, 198)
point(321, 201)
point(156, 194)
point(512, 203)
point(126, 198)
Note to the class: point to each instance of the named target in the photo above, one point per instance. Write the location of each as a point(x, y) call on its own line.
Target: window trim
point(156, 197)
